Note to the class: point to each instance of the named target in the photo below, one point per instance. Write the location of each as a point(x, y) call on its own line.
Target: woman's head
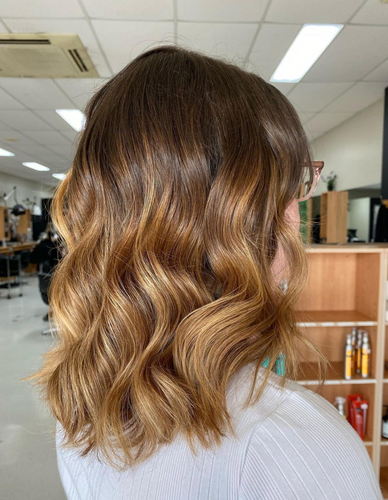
point(180, 198)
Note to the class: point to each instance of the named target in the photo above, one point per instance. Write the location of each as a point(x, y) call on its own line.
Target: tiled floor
point(28, 468)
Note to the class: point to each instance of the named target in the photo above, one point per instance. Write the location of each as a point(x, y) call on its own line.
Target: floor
point(28, 468)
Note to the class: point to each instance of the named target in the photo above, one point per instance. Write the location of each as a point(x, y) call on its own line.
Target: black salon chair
point(24, 262)
point(45, 276)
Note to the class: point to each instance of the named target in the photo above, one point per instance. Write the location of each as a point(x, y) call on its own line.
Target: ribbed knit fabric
point(292, 444)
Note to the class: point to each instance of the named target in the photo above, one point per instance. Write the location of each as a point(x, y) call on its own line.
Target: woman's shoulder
point(306, 447)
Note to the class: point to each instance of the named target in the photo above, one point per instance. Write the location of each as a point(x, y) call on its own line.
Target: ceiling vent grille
point(44, 55)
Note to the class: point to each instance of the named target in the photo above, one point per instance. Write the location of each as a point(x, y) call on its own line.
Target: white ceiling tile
point(53, 119)
point(12, 140)
point(305, 117)
point(122, 41)
point(146, 10)
point(270, 46)
point(53, 161)
point(221, 10)
point(360, 96)
point(353, 54)
point(8, 102)
point(311, 136)
point(3, 126)
point(3, 27)
point(80, 90)
point(12, 149)
point(50, 138)
point(23, 120)
point(13, 166)
point(380, 74)
point(66, 150)
point(40, 8)
point(372, 12)
point(311, 11)
point(10, 163)
point(78, 26)
point(231, 41)
point(312, 97)
point(36, 93)
point(72, 135)
point(285, 88)
point(323, 122)
point(32, 151)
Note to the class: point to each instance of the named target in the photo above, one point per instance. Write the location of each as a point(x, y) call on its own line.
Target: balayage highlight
point(170, 219)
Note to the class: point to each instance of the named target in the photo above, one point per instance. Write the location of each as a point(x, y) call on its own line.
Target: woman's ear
point(279, 265)
point(292, 214)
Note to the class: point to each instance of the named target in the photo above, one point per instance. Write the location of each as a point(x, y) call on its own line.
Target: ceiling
point(255, 34)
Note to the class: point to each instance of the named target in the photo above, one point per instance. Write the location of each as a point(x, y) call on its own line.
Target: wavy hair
point(170, 219)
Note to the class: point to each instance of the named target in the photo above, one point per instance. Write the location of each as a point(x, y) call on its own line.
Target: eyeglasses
point(311, 175)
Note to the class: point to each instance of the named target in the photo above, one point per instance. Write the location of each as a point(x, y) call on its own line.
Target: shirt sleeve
point(307, 450)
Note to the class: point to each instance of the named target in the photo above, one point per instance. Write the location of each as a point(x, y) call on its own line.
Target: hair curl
point(170, 218)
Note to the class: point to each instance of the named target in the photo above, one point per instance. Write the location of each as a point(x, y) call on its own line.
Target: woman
point(175, 297)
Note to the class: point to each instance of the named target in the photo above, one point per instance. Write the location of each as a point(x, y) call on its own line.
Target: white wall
point(25, 189)
point(353, 150)
point(358, 217)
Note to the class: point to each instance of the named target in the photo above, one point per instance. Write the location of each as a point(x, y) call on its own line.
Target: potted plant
point(330, 181)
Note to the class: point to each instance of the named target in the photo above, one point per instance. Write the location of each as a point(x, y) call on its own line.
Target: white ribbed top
point(292, 444)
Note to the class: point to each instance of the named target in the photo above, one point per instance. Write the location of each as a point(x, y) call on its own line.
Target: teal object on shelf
point(280, 367)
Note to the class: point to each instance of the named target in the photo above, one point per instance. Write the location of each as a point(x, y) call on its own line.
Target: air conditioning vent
point(44, 56)
point(78, 60)
point(33, 41)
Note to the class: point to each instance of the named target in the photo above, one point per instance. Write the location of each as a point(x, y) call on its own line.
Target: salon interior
point(330, 59)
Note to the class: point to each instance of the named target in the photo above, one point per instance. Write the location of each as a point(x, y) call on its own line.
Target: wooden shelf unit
point(346, 287)
point(334, 216)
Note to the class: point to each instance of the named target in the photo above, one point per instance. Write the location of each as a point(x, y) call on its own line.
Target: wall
point(353, 150)
point(358, 217)
point(25, 189)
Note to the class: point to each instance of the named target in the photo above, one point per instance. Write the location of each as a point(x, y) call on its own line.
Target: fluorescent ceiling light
point(59, 176)
point(35, 166)
point(311, 41)
point(74, 117)
point(4, 152)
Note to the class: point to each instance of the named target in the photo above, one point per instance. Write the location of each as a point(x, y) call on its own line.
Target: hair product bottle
point(365, 356)
point(359, 347)
point(384, 428)
point(359, 422)
point(351, 398)
point(339, 403)
point(360, 410)
point(354, 344)
point(348, 358)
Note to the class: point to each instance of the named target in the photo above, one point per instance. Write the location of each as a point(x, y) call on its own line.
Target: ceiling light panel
point(311, 41)
point(35, 166)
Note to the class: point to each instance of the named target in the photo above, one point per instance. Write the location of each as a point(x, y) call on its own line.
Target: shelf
point(334, 375)
point(333, 318)
point(384, 481)
point(385, 379)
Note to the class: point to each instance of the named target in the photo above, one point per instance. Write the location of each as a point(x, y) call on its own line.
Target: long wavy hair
point(170, 219)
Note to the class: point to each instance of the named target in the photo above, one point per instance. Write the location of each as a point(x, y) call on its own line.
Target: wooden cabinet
point(334, 216)
point(347, 287)
point(24, 222)
point(22, 227)
point(3, 222)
